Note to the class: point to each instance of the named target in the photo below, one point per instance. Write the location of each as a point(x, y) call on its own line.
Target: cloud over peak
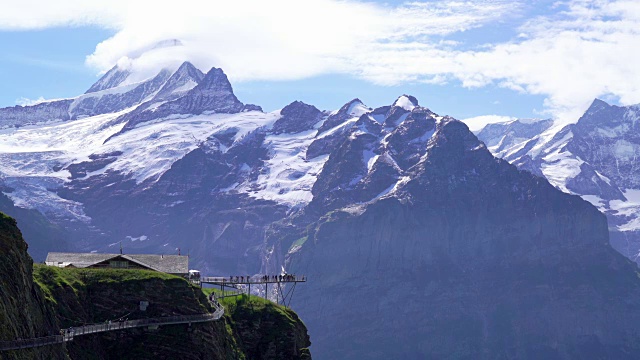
point(570, 52)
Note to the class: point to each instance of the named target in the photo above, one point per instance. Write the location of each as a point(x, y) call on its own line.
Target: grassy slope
point(281, 333)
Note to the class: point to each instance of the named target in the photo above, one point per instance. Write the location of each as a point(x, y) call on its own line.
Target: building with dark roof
point(170, 264)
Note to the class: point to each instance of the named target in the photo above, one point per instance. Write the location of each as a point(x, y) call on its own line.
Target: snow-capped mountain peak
point(112, 78)
point(182, 80)
point(406, 102)
point(351, 110)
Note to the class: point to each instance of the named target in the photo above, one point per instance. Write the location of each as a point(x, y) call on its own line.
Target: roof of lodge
point(172, 264)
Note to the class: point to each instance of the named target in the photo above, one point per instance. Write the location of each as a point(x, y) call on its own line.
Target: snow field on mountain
point(290, 177)
point(171, 139)
point(630, 208)
point(58, 144)
point(34, 158)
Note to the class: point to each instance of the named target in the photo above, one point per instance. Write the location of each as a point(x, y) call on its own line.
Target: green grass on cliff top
point(251, 304)
point(51, 277)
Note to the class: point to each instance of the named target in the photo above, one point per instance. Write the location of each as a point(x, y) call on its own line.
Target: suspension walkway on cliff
point(70, 333)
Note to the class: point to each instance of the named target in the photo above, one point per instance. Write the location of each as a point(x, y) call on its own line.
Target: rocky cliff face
point(23, 310)
point(29, 115)
point(471, 258)
point(43, 235)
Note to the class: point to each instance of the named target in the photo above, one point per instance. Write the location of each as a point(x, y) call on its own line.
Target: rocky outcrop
point(353, 108)
point(112, 78)
point(267, 331)
point(297, 117)
point(607, 137)
point(23, 311)
point(29, 115)
point(43, 235)
point(213, 93)
point(184, 79)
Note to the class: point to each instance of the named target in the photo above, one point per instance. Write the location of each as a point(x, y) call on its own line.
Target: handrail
point(29, 343)
point(68, 334)
point(265, 279)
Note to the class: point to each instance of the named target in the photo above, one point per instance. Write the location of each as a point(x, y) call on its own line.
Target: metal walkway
point(70, 333)
point(243, 284)
point(246, 280)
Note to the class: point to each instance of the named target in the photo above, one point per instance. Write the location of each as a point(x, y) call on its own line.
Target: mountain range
point(594, 158)
point(417, 241)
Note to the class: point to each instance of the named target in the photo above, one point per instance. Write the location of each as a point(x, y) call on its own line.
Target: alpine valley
point(416, 240)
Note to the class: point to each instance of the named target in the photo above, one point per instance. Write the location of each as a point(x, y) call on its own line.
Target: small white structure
point(194, 275)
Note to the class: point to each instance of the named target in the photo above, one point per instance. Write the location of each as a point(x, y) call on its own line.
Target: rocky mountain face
point(23, 311)
point(28, 115)
point(42, 233)
point(466, 258)
point(594, 158)
point(112, 78)
point(416, 240)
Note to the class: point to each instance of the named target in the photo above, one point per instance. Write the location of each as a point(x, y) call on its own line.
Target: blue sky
point(465, 59)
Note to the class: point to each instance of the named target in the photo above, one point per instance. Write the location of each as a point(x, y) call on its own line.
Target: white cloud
point(478, 123)
point(583, 50)
point(23, 101)
point(249, 39)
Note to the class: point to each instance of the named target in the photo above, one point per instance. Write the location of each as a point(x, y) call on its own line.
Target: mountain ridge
point(593, 158)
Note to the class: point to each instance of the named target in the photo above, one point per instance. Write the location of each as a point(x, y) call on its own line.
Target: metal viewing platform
point(257, 279)
point(243, 283)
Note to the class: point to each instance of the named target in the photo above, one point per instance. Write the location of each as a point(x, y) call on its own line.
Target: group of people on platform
point(264, 278)
point(284, 277)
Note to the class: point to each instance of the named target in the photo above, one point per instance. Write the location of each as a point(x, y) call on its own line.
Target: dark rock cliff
point(23, 312)
point(43, 235)
point(470, 259)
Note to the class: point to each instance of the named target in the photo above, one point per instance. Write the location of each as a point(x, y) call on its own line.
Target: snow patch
point(357, 109)
point(629, 208)
point(405, 103)
point(289, 177)
point(560, 167)
point(369, 158)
